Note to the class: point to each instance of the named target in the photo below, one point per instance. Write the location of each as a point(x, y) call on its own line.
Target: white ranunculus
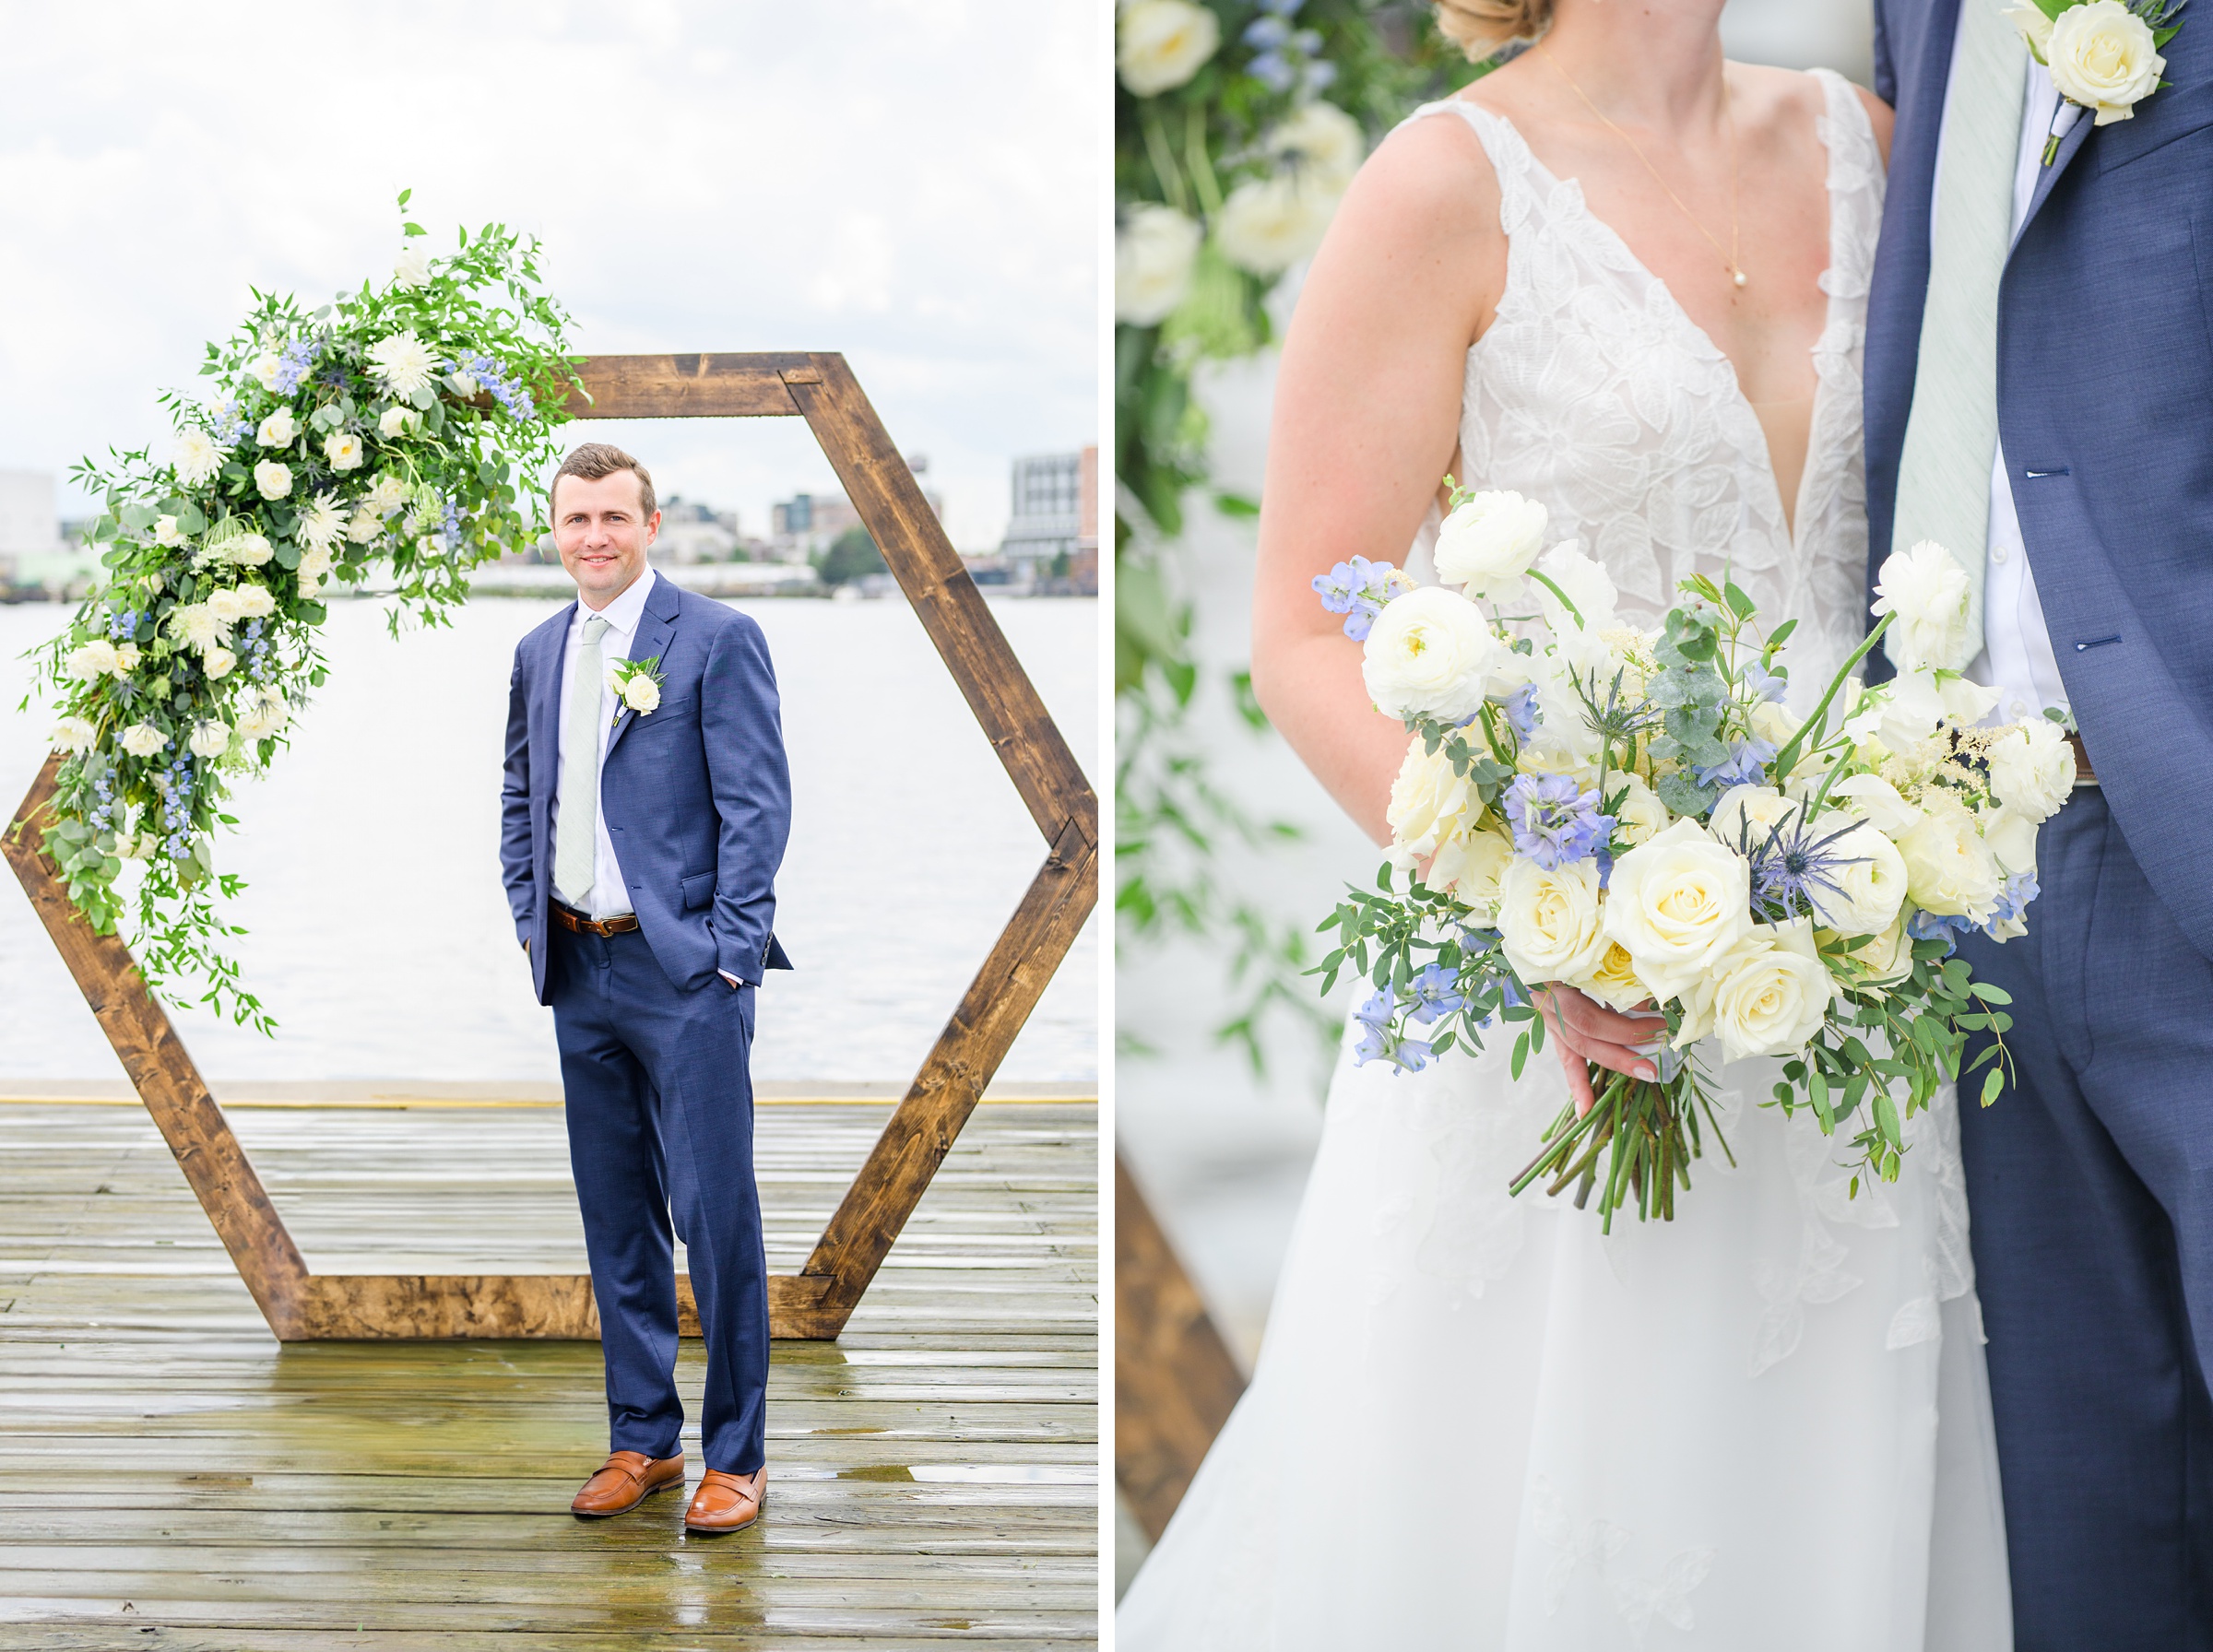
point(126, 658)
point(343, 449)
point(1468, 867)
point(412, 267)
point(1873, 882)
point(391, 423)
point(2103, 57)
point(1677, 903)
point(1430, 801)
point(74, 735)
point(1487, 543)
point(1587, 584)
point(1768, 994)
point(1877, 801)
point(1269, 224)
point(1551, 921)
point(1321, 141)
point(279, 429)
point(2011, 837)
point(1928, 591)
point(255, 602)
point(1154, 250)
point(165, 531)
point(1949, 870)
point(142, 740)
point(210, 739)
point(1914, 703)
point(1638, 815)
point(88, 662)
point(197, 457)
point(1163, 43)
point(1428, 655)
point(641, 694)
point(403, 363)
point(249, 551)
point(217, 663)
point(1613, 980)
point(2033, 768)
point(266, 368)
point(274, 479)
point(1745, 815)
point(321, 524)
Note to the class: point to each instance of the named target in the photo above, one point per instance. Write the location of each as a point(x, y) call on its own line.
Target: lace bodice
point(1593, 391)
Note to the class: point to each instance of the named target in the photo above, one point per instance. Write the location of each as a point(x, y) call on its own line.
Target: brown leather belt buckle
point(568, 918)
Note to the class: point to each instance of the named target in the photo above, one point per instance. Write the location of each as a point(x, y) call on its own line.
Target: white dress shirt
point(2017, 657)
point(608, 896)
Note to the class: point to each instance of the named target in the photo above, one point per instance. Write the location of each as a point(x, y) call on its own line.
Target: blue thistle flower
point(1795, 867)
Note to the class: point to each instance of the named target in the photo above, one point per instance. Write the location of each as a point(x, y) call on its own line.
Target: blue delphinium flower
point(1523, 711)
point(1555, 820)
point(1282, 8)
point(294, 364)
point(2013, 901)
point(1266, 32)
point(122, 624)
point(1765, 684)
point(1357, 589)
point(1937, 925)
point(1273, 71)
point(1435, 992)
point(1746, 765)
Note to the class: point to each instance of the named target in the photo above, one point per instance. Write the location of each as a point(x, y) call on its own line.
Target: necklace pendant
point(1739, 277)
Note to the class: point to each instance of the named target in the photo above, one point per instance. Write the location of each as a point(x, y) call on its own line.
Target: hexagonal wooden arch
point(815, 1302)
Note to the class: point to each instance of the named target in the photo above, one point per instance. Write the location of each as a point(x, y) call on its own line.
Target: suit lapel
point(2069, 146)
point(656, 626)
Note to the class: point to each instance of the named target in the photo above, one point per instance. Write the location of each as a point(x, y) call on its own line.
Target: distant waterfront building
point(1052, 538)
point(33, 550)
point(691, 532)
point(807, 524)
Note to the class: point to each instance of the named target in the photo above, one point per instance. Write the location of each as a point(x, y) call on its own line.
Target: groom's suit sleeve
point(743, 734)
point(515, 806)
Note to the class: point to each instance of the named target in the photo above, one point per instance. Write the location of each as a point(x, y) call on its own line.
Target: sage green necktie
point(577, 828)
point(1952, 431)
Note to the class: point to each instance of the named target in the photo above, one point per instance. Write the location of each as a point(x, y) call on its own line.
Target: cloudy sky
point(915, 183)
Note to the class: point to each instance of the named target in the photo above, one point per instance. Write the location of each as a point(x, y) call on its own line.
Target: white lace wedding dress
point(1477, 1423)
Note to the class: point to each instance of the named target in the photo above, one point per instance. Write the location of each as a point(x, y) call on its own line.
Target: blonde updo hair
point(1484, 28)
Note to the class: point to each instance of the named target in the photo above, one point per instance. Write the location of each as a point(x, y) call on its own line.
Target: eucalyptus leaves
point(398, 430)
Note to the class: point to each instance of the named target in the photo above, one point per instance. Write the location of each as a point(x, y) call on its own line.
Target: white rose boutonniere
point(2103, 54)
point(637, 686)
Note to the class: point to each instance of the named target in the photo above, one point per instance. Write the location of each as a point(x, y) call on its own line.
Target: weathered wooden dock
point(171, 1477)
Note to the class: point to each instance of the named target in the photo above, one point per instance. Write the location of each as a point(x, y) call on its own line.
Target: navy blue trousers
point(2090, 1187)
point(660, 1113)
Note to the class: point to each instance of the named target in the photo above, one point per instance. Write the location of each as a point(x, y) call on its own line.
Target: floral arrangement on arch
point(398, 430)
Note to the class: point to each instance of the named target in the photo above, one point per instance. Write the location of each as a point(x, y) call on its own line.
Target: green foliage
point(852, 555)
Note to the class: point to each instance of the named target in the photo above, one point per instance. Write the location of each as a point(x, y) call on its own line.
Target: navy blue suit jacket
point(696, 794)
point(2105, 411)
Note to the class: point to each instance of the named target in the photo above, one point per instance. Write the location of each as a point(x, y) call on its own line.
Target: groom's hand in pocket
point(1586, 1031)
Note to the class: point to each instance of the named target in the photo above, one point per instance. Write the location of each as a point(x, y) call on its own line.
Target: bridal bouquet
point(1634, 813)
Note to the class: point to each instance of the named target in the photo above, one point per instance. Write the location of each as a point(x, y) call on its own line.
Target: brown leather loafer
point(627, 1480)
point(726, 1502)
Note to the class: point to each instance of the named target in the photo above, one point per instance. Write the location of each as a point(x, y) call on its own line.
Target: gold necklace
point(1729, 258)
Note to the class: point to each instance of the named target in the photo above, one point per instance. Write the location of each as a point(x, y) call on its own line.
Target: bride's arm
point(1366, 423)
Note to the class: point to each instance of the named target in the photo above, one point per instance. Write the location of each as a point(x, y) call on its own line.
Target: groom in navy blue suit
point(642, 826)
point(2091, 1178)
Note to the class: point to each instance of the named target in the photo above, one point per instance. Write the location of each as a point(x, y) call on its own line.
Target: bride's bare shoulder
point(1783, 106)
point(1429, 183)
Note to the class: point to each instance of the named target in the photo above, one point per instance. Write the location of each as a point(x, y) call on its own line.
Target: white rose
point(1550, 921)
point(211, 738)
point(343, 449)
point(2011, 837)
point(366, 524)
point(165, 531)
point(2103, 57)
point(1928, 591)
point(1871, 885)
point(1677, 903)
point(1428, 655)
point(2036, 28)
point(1613, 980)
point(279, 429)
point(90, 661)
point(1468, 867)
point(73, 734)
point(404, 363)
point(1745, 815)
point(386, 495)
point(217, 662)
point(1638, 815)
point(142, 740)
point(1888, 956)
point(1163, 43)
point(1154, 248)
point(1768, 994)
point(249, 551)
point(197, 457)
point(126, 658)
point(314, 563)
point(2033, 768)
point(255, 602)
point(1430, 801)
point(641, 694)
point(1587, 585)
point(266, 368)
point(228, 606)
point(392, 422)
point(412, 267)
point(1322, 142)
point(273, 479)
point(1487, 543)
point(1269, 224)
point(1949, 870)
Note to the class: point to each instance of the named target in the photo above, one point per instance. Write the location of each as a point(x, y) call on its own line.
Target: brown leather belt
point(2084, 773)
point(622, 923)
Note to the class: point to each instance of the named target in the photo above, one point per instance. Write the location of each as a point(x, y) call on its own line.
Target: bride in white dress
point(1475, 1423)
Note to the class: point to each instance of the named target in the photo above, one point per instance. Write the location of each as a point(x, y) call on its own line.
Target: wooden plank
point(1175, 1384)
point(685, 386)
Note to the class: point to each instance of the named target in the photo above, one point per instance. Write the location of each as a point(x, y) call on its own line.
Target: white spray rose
point(1872, 882)
point(249, 551)
point(88, 662)
point(404, 363)
point(314, 563)
point(273, 479)
point(279, 429)
point(142, 740)
point(126, 658)
point(228, 606)
point(1550, 921)
point(255, 602)
point(463, 384)
point(386, 495)
point(412, 267)
point(74, 735)
point(217, 662)
point(2036, 28)
point(2033, 768)
point(1638, 815)
point(1428, 655)
point(365, 526)
point(165, 531)
point(1613, 980)
point(1469, 865)
point(1321, 142)
point(393, 422)
point(343, 449)
point(1768, 994)
point(210, 739)
point(1678, 902)
point(1163, 43)
point(1949, 870)
point(1269, 224)
point(1928, 591)
point(1430, 801)
point(1771, 720)
point(1488, 542)
point(266, 368)
point(1587, 584)
point(1154, 249)
point(197, 457)
point(2103, 57)
point(1890, 955)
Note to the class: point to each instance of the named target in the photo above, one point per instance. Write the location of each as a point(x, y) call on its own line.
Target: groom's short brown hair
point(597, 459)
